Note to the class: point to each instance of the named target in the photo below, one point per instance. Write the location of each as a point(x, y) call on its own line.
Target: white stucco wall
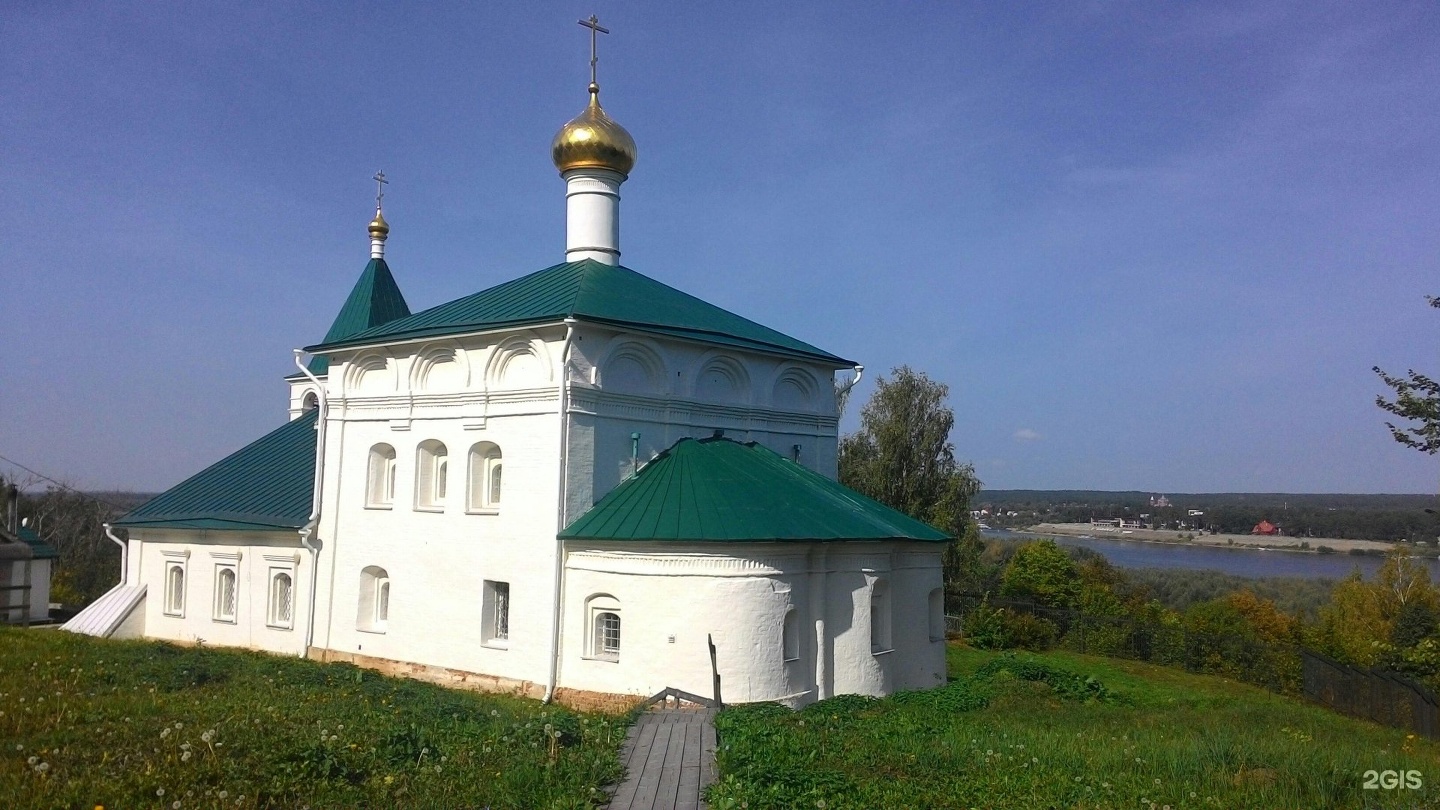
point(671, 596)
point(501, 390)
point(255, 556)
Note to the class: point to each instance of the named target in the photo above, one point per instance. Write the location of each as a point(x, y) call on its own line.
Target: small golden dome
point(592, 140)
point(379, 228)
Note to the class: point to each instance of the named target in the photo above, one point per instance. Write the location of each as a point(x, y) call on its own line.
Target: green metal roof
point(718, 490)
point(268, 484)
point(374, 301)
point(39, 549)
point(591, 291)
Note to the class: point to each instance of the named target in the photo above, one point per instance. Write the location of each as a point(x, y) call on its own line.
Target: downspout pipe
point(307, 531)
point(560, 512)
point(859, 372)
point(124, 553)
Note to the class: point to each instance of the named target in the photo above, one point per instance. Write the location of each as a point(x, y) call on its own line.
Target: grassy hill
point(86, 722)
point(1062, 730)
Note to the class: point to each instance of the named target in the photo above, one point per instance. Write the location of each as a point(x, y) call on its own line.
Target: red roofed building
point(1265, 527)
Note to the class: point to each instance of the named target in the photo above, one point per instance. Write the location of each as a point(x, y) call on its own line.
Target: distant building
point(26, 563)
point(1159, 501)
point(1265, 527)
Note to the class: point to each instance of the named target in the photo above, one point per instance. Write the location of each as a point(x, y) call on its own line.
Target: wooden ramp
point(669, 758)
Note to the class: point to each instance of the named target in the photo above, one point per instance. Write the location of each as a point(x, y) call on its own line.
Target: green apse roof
point(39, 549)
point(375, 300)
point(718, 490)
point(268, 484)
point(591, 291)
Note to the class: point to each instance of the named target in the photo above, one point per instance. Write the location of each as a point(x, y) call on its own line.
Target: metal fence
point(1388, 698)
point(1384, 697)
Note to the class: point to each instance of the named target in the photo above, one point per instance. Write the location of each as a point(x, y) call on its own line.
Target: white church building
point(560, 486)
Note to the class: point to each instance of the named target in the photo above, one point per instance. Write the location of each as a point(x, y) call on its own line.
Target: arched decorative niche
point(794, 389)
point(520, 362)
point(309, 401)
point(722, 379)
point(633, 367)
point(372, 609)
point(370, 374)
point(440, 369)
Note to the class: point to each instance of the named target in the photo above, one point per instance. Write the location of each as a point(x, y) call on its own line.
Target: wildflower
point(165, 732)
point(820, 803)
point(224, 794)
point(43, 767)
point(175, 804)
point(160, 791)
point(32, 760)
point(185, 757)
point(207, 736)
point(437, 769)
point(1157, 781)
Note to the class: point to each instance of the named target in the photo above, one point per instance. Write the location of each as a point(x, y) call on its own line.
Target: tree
point(1417, 399)
point(902, 457)
point(1043, 572)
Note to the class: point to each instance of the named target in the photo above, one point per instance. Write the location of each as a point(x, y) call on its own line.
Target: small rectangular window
point(495, 623)
point(790, 636)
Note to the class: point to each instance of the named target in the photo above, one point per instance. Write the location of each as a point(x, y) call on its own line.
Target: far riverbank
point(1309, 545)
point(1240, 560)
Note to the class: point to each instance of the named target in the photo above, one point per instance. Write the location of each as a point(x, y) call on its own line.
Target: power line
point(64, 486)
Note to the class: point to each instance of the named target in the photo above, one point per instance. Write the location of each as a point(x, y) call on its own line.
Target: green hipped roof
point(268, 484)
point(718, 490)
point(592, 291)
point(39, 549)
point(374, 301)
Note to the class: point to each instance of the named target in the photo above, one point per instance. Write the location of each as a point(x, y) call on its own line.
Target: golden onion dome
point(379, 228)
point(592, 140)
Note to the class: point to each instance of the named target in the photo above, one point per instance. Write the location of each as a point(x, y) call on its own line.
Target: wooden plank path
point(669, 758)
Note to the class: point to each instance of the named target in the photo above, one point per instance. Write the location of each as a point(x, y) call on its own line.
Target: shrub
point(1028, 631)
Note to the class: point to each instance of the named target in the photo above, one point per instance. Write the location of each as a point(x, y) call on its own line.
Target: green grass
point(1062, 730)
point(86, 722)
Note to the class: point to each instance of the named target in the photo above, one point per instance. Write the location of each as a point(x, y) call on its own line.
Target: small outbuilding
point(1265, 527)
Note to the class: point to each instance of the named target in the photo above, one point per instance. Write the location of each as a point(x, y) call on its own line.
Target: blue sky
point(1148, 246)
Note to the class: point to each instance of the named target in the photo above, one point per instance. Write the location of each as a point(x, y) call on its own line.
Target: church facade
point(561, 486)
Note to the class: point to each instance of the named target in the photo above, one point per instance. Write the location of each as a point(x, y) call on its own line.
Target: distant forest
point(1392, 518)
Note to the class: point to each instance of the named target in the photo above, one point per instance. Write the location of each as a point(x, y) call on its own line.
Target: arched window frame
point(486, 478)
point(372, 614)
point(790, 636)
point(880, 617)
point(174, 604)
point(432, 468)
point(380, 478)
point(280, 612)
point(937, 614)
point(227, 593)
point(603, 625)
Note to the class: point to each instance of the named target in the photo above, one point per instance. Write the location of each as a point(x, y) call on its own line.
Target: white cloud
point(1027, 435)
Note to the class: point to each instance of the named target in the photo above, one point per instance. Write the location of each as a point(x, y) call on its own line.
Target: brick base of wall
point(578, 699)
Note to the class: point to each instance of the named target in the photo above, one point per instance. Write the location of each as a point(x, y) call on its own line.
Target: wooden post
point(715, 671)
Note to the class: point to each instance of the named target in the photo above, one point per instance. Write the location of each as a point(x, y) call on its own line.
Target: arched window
point(310, 402)
point(485, 477)
point(175, 589)
point(380, 485)
point(937, 615)
point(282, 601)
point(603, 612)
point(432, 468)
point(790, 637)
point(224, 593)
point(373, 611)
point(879, 617)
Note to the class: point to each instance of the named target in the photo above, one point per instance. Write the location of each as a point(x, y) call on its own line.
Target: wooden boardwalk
point(669, 758)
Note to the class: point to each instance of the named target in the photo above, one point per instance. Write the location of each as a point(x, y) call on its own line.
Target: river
point(1245, 562)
